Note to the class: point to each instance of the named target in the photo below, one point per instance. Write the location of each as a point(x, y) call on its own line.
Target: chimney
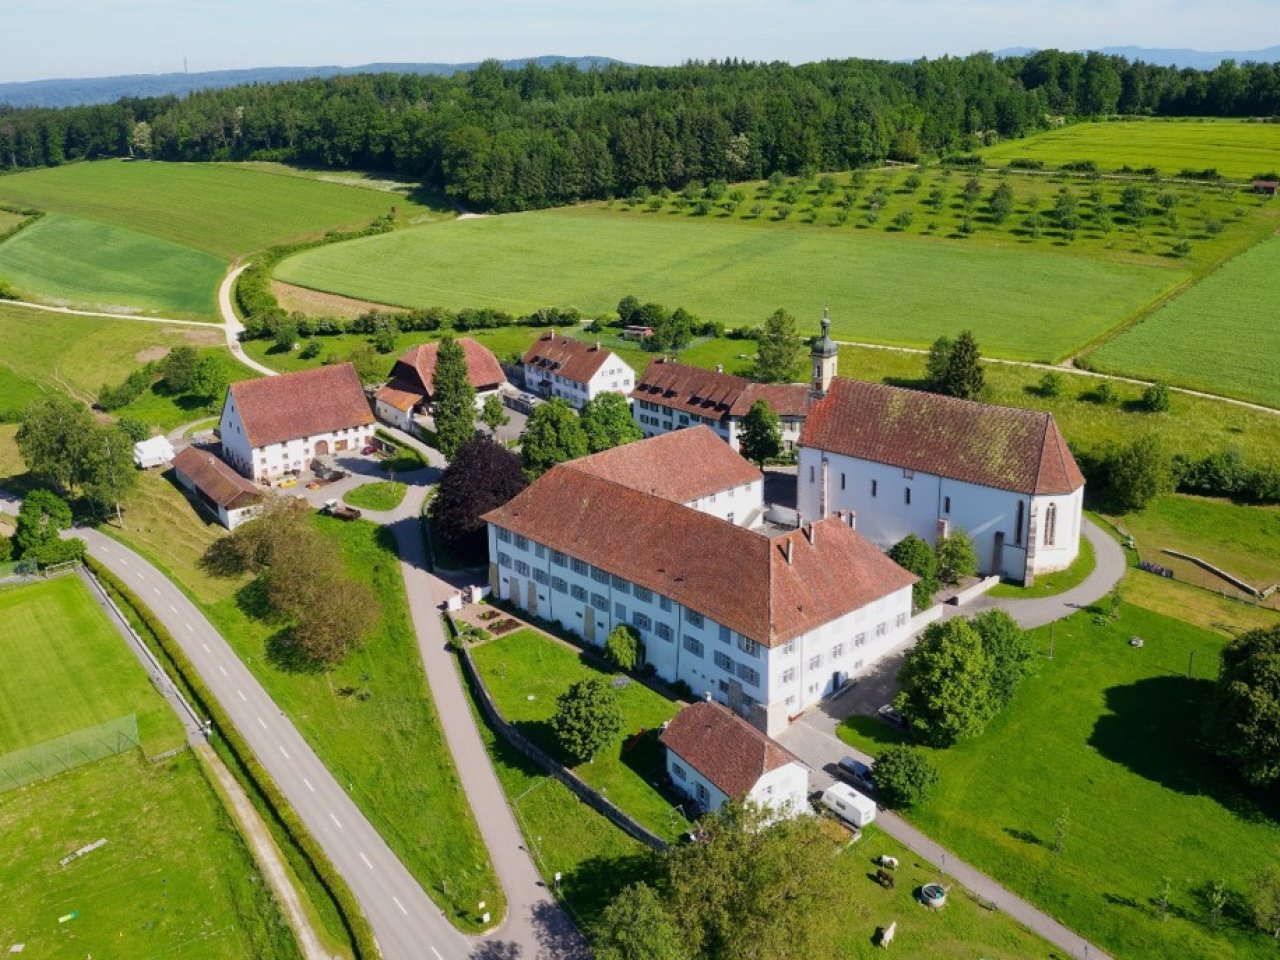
point(597, 345)
point(853, 519)
point(707, 696)
point(719, 368)
point(809, 532)
point(788, 550)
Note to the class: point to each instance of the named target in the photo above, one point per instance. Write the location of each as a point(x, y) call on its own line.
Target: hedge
point(353, 918)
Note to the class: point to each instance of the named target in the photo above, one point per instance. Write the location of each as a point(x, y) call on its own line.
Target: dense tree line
point(512, 139)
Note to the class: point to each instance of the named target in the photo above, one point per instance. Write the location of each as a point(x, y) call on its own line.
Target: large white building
point(409, 391)
point(765, 619)
point(279, 425)
point(905, 461)
point(558, 366)
point(672, 396)
point(713, 756)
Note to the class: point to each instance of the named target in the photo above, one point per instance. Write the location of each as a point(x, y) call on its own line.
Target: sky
point(86, 38)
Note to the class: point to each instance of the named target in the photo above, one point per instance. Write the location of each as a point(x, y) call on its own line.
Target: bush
point(904, 776)
point(956, 557)
point(1156, 398)
point(1242, 724)
point(1104, 393)
point(913, 554)
point(1050, 385)
point(622, 647)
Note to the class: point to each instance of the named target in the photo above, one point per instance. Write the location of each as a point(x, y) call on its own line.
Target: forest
point(500, 139)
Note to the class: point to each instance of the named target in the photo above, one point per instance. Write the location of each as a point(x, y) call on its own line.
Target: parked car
point(340, 510)
point(891, 715)
point(369, 451)
point(289, 482)
point(856, 772)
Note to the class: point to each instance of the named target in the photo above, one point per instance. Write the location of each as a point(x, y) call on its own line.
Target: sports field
point(1023, 304)
point(106, 267)
point(174, 878)
point(1236, 149)
point(1221, 335)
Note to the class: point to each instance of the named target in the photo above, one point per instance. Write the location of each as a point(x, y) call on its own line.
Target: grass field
point(1222, 335)
point(382, 495)
point(9, 220)
point(222, 209)
point(1020, 303)
point(525, 672)
point(111, 268)
point(1238, 150)
point(407, 786)
point(1107, 734)
point(174, 873)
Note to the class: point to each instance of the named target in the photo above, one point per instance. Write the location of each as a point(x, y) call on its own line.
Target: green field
point(1222, 335)
point(106, 267)
point(381, 495)
point(1022, 303)
point(174, 877)
point(1109, 734)
point(223, 209)
point(1237, 149)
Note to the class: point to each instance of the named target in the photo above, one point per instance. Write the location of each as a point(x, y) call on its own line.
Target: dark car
point(890, 714)
point(857, 773)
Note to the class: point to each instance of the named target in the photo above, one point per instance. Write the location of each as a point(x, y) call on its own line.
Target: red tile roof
point(303, 404)
point(1001, 447)
point(400, 395)
point(785, 399)
point(416, 370)
point(723, 747)
point(215, 479)
point(695, 390)
point(679, 466)
point(738, 577)
point(571, 359)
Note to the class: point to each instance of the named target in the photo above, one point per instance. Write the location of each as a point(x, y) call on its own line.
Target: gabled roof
point(681, 466)
point(215, 479)
point(723, 747)
point(401, 395)
point(303, 404)
point(707, 393)
point(571, 359)
point(768, 587)
point(1001, 447)
point(784, 399)
point(416, 370)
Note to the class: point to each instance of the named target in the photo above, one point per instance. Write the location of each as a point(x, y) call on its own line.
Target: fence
point(52, 757)
point(587, 794)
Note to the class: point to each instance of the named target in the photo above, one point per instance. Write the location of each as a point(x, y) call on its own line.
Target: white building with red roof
point(409, 390)
point(279, 425)
point(905, 461)
point(559, 366)
point(714, 756)
point(767, 619)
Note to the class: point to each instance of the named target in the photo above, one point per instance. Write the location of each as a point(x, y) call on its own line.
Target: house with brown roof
point(671, 396)
point(559, 366)
point(279, 425)
point(905, 461)
point(409, 390)
point(713, 756)
point(215, 486)
point(767, 619)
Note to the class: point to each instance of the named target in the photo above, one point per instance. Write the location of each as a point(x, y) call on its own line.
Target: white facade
point(276, 459)
point(1015, 535)
point(767, 685)
point(735, 504)
point(784, 791)
point(654, 420)
point(390, 413)
point(614, 376)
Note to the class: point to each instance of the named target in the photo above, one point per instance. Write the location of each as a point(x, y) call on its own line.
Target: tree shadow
point(558, 938)
point(251, 599)
point(497, 950)
point(284, 653)
point(597, 880)
point(908, 383)
point(1152, 727)
point(1025, 836)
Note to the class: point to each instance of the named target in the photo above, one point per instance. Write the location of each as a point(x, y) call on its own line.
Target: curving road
point(231, 325)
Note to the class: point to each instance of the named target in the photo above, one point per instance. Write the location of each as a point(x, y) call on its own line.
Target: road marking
point(261, 723)
point(206, 648)
point(190, 628)
point(308, 783)
point(157, 590)
point(242, 696)
point(173, 608)
point(285, 752)
point(335, 821)
point(437, 953)
point(366, 860)
point(223, 669)
point(396, 901)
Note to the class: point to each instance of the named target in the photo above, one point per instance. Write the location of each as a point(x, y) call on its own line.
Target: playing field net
point(52, 757)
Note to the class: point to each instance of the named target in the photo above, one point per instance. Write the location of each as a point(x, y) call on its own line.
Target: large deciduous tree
point(761, 437)
point(178, 368)
point(1010, 649)
point(945, 684)
point(41, 518)
point(1137, 473)
point(209, 382)
point(779, 350)
point(587, 717)
point(552, 435)
point(107, 471)
point(482, 476)
point(636, 926)
point(904, 776)
point(1242, 724)
point(453, 399)
point(51, 439)
point(608, 423)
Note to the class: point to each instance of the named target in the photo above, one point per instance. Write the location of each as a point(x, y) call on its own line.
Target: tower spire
point(823, 357)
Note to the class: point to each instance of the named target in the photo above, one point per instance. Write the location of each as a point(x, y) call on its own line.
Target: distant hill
point(1199, 59)
point(78, 91)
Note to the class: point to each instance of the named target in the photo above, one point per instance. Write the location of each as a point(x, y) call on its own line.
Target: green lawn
point(407, 786)
point(526, 671)
point(223, 209)
point(158, 407)
point(382, 495)
point(1237, 149)
point(1023, 303)
point(107, 267)
point(1108, 734)
point(9, 220)
point(1052, 584)
point(66, 668)
point(1222, 335)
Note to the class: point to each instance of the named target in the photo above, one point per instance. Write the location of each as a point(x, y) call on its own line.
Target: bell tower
point(823, 359)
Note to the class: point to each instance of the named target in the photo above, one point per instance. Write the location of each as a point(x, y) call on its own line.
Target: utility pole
point(112, 467)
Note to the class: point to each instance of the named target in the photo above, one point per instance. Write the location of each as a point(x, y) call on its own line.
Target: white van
point(849, 805)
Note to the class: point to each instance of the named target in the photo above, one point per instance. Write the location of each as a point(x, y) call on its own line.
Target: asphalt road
point(407, 923)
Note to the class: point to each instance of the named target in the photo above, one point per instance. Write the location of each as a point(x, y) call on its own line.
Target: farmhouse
point(226, 494)
point(409, 389)
point(557, 366)
point(671, 396)
point(905, 462)
point(713, 755)
point(278, 425)
point(766, 618)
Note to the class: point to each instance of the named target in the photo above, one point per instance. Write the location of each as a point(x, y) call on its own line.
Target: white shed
point(152, 452)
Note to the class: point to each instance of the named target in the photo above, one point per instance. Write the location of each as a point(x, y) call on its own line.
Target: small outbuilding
point(714, 755)
point(152, 452)
point(217, 486)
point(1266, 187)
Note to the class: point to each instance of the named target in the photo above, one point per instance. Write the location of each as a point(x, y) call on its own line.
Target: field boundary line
point(71, 311)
